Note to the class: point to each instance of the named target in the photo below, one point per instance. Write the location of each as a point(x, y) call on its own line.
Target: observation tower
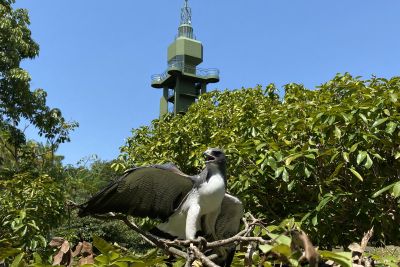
point(183, 82)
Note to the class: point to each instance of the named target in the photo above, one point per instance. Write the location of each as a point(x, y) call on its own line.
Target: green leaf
point(291, 185)
point(307, 172)
point(112, 255)
point(22, 214)
point(253, 132)
point(120, 264)
point(362, 116)
point(265, 248)
point(361, 156)
point(129, 259)
point(23, 232)
point(379, 122)
point(180, 263)
point(337, 132)
point(356, 174)
point(396, 190)
point(280, 239)
point(291, 158)
point(34, 225)
point(42, 240)
point(376, 155)
point(354, 147)
point(33, 244)
point(259, 161)
point(102, 259)
point(334, 157)
point(294, 262)
point(383, 190)
point(282, 249)
point(260, 146)
point(285, 175)
point(271, 162)
point(314, 220)
point(102, 245)
point(397, 155)
point(325, 200)
point(17, 261)
point(6, 252)
point(336, 171)
point(368, 163)
point(16, 225)
point(387, 112)
point(342, 258)
point(37, 258)
point(279, 171)
point(346, 156)
point(391, 127)
point(310, 156)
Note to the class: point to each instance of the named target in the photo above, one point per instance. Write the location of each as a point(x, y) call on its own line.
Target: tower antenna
point(186, 14)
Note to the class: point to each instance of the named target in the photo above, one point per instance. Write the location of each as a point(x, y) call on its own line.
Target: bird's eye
point(217, 153)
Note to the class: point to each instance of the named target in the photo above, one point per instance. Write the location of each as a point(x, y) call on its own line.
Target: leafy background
point(326, 160)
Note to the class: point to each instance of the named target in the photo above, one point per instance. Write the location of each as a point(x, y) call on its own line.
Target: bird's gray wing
point(153, 191)
point(227, 225)
point(228, 221)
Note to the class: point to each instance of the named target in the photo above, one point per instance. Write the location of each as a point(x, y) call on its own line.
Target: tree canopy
point(17, 101)
point(327, 157)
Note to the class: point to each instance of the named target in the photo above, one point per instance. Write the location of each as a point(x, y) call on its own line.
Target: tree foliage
point(17, 101)
point(30, 206)
point(31, 196)
point(327, 157)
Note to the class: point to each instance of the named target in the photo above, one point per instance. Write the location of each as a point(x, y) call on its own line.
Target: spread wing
point(228, 225)
point(153, 191)
point(228, 221)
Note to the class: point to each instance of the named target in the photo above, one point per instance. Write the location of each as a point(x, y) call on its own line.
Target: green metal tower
point(183, 81)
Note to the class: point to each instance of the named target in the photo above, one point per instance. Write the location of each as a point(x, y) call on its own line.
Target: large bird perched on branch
point(186, 204)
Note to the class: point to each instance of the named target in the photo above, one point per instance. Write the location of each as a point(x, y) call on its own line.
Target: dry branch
point(192, 250)
point(196, 247)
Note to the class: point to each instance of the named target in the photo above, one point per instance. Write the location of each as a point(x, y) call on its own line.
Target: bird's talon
point(202, 242)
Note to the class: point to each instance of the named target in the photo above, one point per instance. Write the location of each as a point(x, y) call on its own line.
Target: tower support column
point(203, 88)
point(164, 102)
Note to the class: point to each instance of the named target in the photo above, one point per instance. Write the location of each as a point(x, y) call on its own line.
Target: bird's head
point(214, 155)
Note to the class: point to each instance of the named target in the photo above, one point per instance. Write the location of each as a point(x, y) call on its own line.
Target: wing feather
point(153, 191)
point(228, 221)
point(227, 225)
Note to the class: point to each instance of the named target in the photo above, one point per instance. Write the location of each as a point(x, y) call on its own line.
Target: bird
point(186, 204)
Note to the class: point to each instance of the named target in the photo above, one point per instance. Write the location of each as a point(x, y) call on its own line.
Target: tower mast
point(186, 14)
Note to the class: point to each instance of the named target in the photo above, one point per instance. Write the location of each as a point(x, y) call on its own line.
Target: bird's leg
point(202, 243)
point(190, 256)
point(191, 221)
point(210, 222)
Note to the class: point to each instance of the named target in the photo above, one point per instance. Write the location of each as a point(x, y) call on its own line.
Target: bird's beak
point(208, 157)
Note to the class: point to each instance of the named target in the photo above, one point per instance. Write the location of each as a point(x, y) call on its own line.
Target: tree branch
point(195, 248)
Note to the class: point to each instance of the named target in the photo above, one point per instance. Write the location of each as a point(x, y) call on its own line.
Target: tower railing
point(186, 69)
point(158, 78)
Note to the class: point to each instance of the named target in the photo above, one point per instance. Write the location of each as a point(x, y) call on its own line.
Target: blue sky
point(96, 57)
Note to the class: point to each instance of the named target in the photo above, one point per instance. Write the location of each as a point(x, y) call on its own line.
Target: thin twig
point(203, 258)
point(147, 236)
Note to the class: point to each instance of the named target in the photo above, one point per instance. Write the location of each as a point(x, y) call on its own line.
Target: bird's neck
point(215, 168)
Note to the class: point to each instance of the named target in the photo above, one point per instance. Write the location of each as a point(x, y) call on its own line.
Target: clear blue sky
point(96, 57)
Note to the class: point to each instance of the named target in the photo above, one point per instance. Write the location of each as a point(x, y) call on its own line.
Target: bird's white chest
point(211, 193)
point(208, 197)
